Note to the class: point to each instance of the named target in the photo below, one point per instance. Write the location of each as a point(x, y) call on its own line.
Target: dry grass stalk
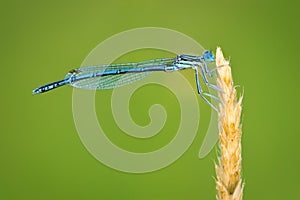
point(229, 183)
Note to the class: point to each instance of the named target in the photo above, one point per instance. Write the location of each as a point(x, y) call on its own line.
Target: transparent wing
point(109, 82)
point(113, 80)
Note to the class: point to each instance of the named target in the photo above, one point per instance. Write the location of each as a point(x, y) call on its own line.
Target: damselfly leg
point(201, 92)
point(212, 86)
point(213, 71)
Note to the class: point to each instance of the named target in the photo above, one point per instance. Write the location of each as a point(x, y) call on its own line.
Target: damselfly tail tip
point(36, 91)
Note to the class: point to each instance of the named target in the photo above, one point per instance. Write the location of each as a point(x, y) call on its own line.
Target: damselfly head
point(208, 56)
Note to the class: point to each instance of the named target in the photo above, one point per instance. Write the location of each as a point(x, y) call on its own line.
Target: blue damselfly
point(112, 75)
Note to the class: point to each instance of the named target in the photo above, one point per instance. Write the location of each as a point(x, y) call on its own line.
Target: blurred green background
point(41, 154)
